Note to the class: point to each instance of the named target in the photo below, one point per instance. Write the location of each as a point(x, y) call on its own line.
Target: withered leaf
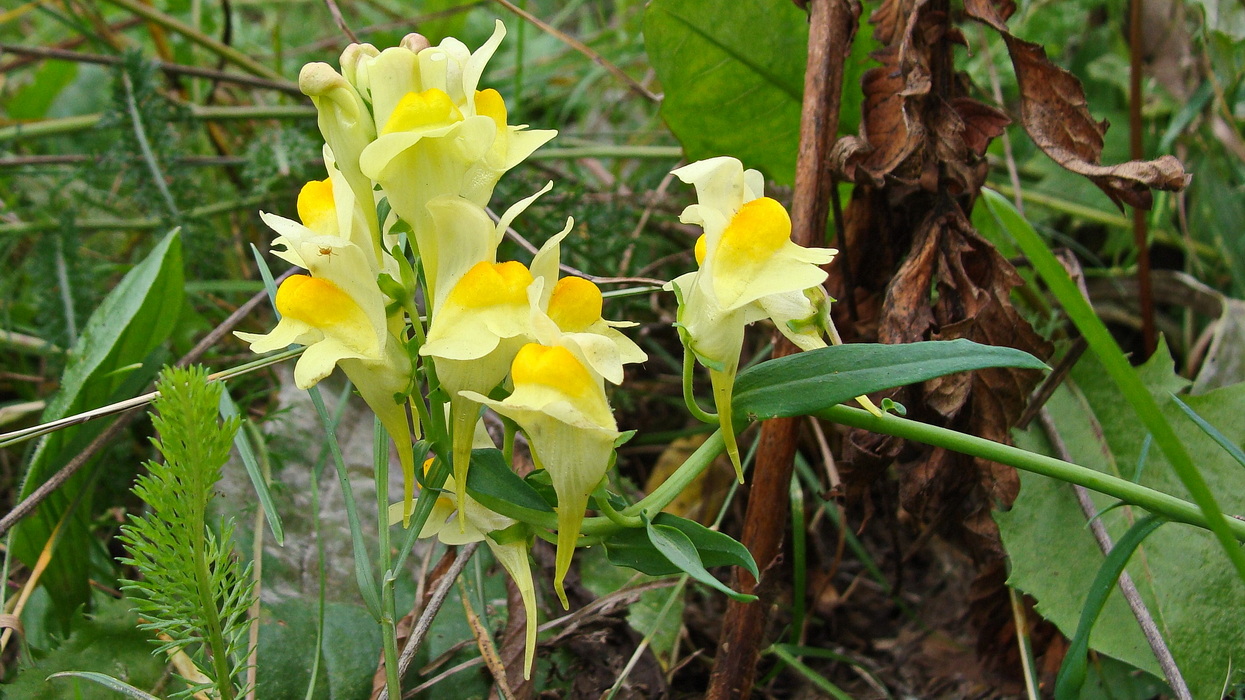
point(1054, 112)
point(982, 123)
point(972, 283)
point(890, 126)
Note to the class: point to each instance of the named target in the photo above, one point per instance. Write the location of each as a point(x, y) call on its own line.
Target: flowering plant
point(432, 321)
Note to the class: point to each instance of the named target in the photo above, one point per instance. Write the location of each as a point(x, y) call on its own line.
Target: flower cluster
point(405, 292)
point(412, 146)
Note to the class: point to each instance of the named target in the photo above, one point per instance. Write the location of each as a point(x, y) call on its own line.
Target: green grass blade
point(1075, 666)
point(1212, 432)
point(362, 563)
point(803, 669)
point(1116, 364)
point(228, 409)
point(108, 682)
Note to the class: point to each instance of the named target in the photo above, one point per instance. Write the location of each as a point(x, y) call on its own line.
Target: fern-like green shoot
point(191, 586)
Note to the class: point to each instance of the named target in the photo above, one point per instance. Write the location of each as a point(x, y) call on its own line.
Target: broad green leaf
point(114, 353)
point(287, 638)
point(33, 100)
point(632, 548)
point(491, 479)
point(107, 642)
point(678, 548)
point(1192, 592)
point(807, 382)
point(733, 78)
point(1114, 363)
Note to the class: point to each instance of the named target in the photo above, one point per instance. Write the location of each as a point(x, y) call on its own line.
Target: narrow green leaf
point(676, 547)
point(265, 274)
point(1073, 671)
point(632, 548)
point(132, 322)
point(1211, 431)
point(832, 690)
point(1117, 367)
point(106, 681)
point(362, 562)
point(808, 382)
point(243, 444)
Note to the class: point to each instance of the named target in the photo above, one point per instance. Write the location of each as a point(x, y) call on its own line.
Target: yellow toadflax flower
point(749, 270)
point(472, 522)
point(568, 310)
point(436, 134)
point(560, 404)
point(338, 312)
point(480, 322)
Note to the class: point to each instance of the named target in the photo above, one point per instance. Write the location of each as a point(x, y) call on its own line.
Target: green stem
point(49, 127)
point(389, 634)
point(607, 509)
point(1122, 374)
point(211, 617)
point(687, 472)
point(1156, 502)
point(389, 637)
point(148, 223)
point(149, 156)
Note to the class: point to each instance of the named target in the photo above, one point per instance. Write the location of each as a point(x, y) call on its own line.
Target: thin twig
point(144, 146)
point(1171, 672)
point(77, 40)
point(223, 50)
point(424, 624)
point(658, 194)
point(1013, 173)
point(285, 86)
point(584, 49)
point(340, 21)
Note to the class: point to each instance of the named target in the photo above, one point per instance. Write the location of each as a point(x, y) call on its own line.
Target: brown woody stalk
point(832, 26)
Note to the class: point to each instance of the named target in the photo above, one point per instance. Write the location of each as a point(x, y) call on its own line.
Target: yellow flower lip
point(314, 301)
point(575, 304)
point(489, 103)
point(316, 208)
point(490, 284)
point(553, 367)
point(701, 243)
point(420, 109)
point(757, 231)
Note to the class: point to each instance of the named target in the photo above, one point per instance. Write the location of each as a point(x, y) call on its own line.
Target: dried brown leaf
point(1054, 112)
point(972, 284)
